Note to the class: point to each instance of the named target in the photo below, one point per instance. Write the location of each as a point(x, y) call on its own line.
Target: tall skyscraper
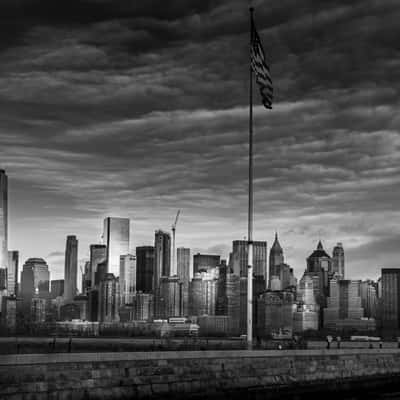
point(205, 262)
point(162, 257)
point(337, 266)
point(144, 268)
point(12, 274)
point(391, 299)
point(71, 268)
point(275, 259)
point(98, 255)
point(183, 269)
point(35, 278)
point(369, 298)
point(116, 238)
point(203, 293)
point(239, 260)
point(3, 219)
point(127, 278)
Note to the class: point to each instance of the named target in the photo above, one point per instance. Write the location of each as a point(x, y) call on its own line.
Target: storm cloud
point(138, 109)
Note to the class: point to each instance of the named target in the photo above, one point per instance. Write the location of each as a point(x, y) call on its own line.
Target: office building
point(337, 264)
point(276, 259)
point(116, 238)
point(183, 269)
point(390, 312)
point(34, 276)
point(86, 279)
point(3, 279)
point(9, 314)
point(169, 298)
point(38, 309)
point(71, 268)
point(109, 299)
point(145, 268)
point(203, 293)
point(162, 257)
point(143, 306)
point(12, 273)
point(3, 219)
point(82, 302)
point(304, 319)
point(127, 278)
point(98, 255)
point(343, 303)
point(205, 262)
point(239, 260)
point(276, 311)
point(369, 298)
point(57, 288)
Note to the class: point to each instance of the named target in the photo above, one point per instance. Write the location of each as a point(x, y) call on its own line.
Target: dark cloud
point(140, 108)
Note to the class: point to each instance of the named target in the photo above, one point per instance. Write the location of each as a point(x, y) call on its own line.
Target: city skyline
point(132, 112)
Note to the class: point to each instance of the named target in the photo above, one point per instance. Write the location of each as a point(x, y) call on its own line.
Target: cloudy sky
point(138, 109)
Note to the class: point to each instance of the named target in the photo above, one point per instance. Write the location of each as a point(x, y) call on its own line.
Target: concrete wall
point(140, 375)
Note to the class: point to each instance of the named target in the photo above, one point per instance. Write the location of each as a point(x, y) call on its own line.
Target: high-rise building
point(86, 281)
point(57, 288)
point(35, 276)
point(9, 314)
point(276, 311)
point(183, 268)
point(343, 303)
point(319, 260)
point(98, 255)
point(12, 273)
point(71, 268)
point(144, 268)
point(109, 299)
point(337, 265)
point(205, 262)
point(162, 257)
point(38, 309)
point(127, 278)
point(239, 260)
point(203, 293)
point(3, 219)
point(143, 306)
point(390, 312)
point(3, 279)
point(116, 238)
point(275, 260)
point(169, 298)
point(369, 298)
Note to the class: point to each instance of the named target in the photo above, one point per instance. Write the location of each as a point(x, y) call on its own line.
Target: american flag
point(261, 69)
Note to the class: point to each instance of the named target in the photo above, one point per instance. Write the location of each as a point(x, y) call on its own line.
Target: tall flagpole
point(250, 211)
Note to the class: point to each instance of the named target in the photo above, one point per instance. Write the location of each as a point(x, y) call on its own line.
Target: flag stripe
point(261, 69)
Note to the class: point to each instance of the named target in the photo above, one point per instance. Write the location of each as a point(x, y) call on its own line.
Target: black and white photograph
point(199, 199)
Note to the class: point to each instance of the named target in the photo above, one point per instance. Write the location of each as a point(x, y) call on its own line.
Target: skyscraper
point(144, 268)
point(109, 292)
point(127, 278)
point(57, 288)
point(168, 299)
point(98, 255)
point(337, 266)
point(239, 260)
point(35, 277)
point(203, 293)
point(162, 257)
point(12, 274)
point(3, 219)
point(391, 299)
point(275, 260)
point(369, 298)
point(183, 269)
point(71, 268)
point(116, 238)
point(344, 308)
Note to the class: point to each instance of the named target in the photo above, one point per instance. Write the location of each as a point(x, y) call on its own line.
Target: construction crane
point(174, 270)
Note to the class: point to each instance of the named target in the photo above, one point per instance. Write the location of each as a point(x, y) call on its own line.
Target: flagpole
point(250, 208)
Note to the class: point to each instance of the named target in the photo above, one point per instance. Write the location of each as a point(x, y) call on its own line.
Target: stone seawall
point(186, 374)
